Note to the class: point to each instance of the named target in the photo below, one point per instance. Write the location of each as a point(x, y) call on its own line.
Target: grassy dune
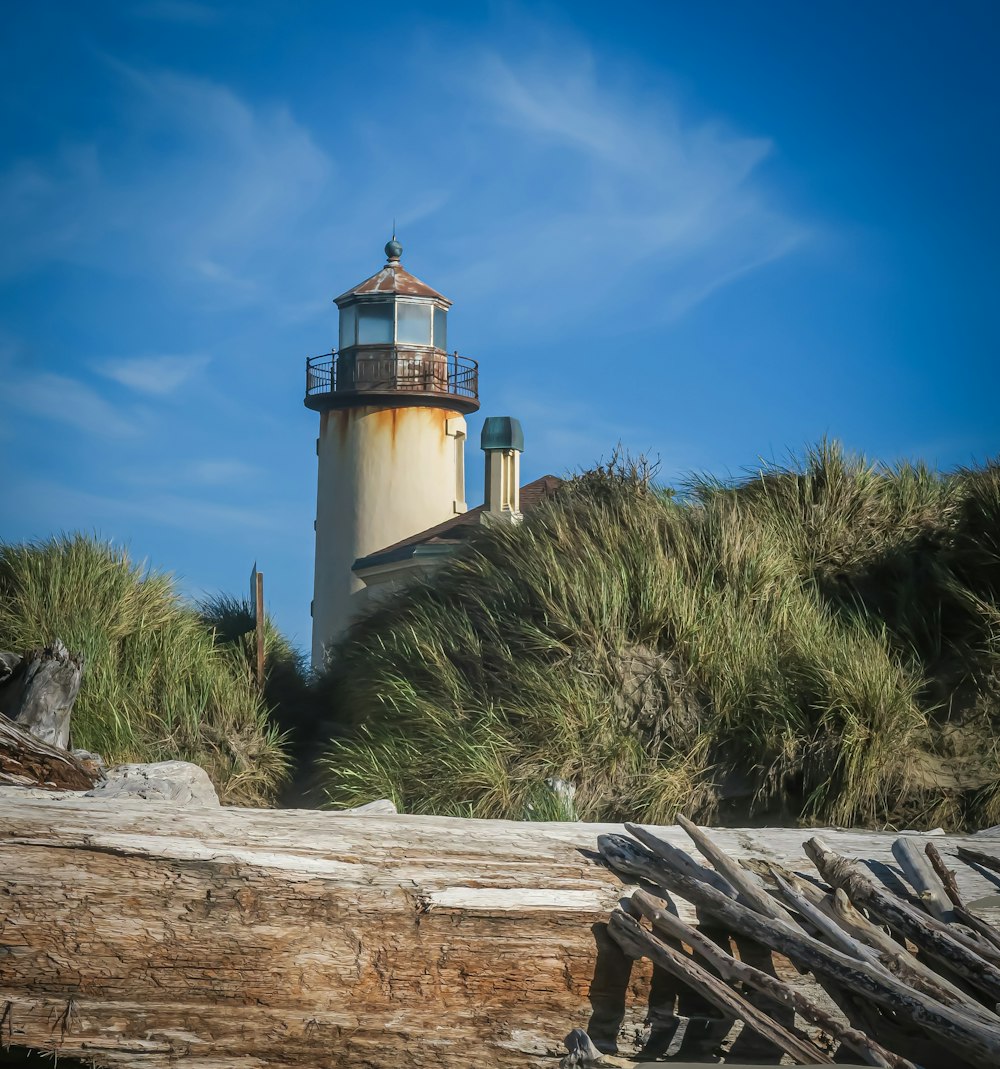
point(817, 642)
point(157, 685)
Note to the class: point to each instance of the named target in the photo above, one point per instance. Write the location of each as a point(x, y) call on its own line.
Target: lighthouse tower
point(392, 403)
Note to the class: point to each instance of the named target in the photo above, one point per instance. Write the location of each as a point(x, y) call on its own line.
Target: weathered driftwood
point(735, 971)
point(976, 965)
point(973, 1039)
point(137, 935)
point(870, 941)
point(945, 874)
point(961, 911)
point(673, 855)
point(741, 880)
point(824, 924)
point(634, 939)
point(978, 857)
point(894, 957)
point(854, 934)
point(920, 872)
point(28, 761)
point(38, 691)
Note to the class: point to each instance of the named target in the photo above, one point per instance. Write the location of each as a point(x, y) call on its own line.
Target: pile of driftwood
point(901, 976)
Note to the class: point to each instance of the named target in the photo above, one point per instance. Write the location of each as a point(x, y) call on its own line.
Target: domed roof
point(502, 432)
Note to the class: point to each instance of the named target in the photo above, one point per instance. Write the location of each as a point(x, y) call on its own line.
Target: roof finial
point(393, 249)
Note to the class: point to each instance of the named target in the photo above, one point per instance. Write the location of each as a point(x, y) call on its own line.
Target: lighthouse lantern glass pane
point(413, 324)
point(348, 326)
point(375, 324)
point(440, 328)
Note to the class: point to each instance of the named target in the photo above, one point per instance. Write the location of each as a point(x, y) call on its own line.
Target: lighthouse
point(392, 403)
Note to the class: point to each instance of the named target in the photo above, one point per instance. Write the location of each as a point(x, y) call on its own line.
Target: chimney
point(503, 443)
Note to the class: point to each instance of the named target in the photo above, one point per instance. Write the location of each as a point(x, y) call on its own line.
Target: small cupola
point(502, 441)
point(393, 342)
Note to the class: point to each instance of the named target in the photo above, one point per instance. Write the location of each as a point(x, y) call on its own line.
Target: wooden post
point(260, 630)
point(257, 607)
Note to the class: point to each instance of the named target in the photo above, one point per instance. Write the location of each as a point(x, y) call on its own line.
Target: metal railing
point(390, 369)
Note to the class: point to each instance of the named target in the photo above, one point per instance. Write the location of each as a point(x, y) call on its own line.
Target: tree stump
point(37, 692)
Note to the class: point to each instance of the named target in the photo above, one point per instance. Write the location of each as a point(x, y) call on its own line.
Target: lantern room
point(393, 347)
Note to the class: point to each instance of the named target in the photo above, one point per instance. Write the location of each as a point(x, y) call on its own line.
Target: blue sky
point(713, 231)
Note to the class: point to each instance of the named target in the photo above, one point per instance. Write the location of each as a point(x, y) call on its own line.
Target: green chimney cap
point(502, 432)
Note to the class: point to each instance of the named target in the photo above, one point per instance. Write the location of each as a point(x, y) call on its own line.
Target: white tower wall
point(384, 475)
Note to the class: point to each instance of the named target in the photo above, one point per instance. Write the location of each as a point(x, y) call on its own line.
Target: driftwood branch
point(673, 855)
point(926, 882)
point(945, 875)
point(741, 880)
point(962, 913)
point(735, 971)
point(977, 857)
point(945, 945)
point(634, 939)
point(896, 959)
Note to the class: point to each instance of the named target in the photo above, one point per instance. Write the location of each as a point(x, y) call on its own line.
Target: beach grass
point(157, 685)
point(815, 641)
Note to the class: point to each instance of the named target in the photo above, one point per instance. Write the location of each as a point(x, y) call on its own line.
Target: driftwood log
point(144, 934)
point(38, 690)
point(28, 761)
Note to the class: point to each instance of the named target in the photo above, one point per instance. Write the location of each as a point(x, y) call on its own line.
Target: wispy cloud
point(69, 401)
point(224, 205)
point(206, 472)
point(629, 197)
point(221, 471)
point(554, 174)
point(65, 506)
point(157, 375)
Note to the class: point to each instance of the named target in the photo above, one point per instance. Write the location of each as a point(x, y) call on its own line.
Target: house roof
point(393, 278)
point(444, 537)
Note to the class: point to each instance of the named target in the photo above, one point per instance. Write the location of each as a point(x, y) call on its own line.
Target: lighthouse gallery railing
point(390, 369)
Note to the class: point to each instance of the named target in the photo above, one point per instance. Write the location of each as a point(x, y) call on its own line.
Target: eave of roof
point(392, 279)
point(440, 540)
point(406, 552)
